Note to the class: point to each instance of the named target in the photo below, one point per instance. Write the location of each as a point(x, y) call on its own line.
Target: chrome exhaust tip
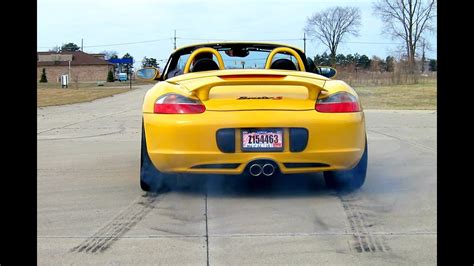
point(268, 169)
point(255, 169)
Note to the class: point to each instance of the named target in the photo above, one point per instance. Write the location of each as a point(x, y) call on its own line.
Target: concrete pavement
point(92, 211)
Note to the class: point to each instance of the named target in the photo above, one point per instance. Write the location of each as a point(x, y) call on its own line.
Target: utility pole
point(82, 44)
point(175, 39)
point(304, 41)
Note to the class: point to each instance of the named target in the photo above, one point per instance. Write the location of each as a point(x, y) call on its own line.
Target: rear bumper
point(188, 143)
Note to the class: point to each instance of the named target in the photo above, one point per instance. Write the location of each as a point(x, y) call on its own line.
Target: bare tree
point(332, 25)
point(109, 54)
point(407, 20)
point(55, 49)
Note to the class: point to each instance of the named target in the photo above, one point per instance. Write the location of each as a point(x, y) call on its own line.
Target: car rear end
point(281, 122)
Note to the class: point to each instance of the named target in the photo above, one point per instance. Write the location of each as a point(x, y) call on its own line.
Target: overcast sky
point(111, 24)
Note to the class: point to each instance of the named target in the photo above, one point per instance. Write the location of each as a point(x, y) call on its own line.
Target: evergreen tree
point(363, 62)
point(127, 67)
point(110, 76)
point(149, 62)
point(340, 60)
point(325, 59)
point(389, 64)
point(350, 60)
point(317, 60)
point(70, 47)
point(433, 65)
point(43, 79)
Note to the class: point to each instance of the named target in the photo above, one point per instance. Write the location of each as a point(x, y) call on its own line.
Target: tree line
point(356, 62)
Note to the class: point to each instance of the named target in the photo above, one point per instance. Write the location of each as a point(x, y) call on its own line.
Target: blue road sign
point(121, 61)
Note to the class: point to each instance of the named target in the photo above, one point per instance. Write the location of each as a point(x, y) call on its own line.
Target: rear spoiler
point(201, 87)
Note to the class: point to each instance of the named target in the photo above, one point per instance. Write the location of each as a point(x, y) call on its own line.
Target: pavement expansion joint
point(87, 120)
point(413, 143)
point(297, 234)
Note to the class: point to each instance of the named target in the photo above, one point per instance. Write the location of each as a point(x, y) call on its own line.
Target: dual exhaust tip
point(256, 169)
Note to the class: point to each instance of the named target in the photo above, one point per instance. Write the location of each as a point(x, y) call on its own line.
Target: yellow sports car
point(258, 109)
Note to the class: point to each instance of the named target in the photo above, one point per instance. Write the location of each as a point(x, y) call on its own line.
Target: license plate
point(262, 139)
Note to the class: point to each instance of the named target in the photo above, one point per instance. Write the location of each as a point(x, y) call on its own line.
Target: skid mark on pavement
point(361, 226)
point(118, 226)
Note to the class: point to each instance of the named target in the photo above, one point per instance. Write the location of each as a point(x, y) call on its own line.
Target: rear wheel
point(348, 180)
point(151, 179)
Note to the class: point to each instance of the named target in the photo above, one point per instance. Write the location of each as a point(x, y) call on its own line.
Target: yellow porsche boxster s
point(255, 109)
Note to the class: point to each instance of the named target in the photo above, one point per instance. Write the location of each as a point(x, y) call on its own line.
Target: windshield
point(254, 60)
point(233, 57)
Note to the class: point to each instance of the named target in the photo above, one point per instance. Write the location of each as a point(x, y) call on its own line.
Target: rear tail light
point(178, 104)
point(341, 102)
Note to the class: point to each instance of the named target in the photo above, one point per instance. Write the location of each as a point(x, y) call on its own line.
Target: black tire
point(151, 179)
point(348, 180)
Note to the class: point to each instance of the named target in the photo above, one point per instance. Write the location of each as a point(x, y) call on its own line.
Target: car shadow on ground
point(294, 185)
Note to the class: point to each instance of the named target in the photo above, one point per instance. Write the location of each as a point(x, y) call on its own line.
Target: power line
point(172, 38)
point(294, 39)
point(116, 44)
point(212, 39)
point(368, 42)
point(127, 43)
point(374, 42)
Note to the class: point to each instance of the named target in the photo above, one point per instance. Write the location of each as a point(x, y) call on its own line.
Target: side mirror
point(148, 73)
point(328, 72)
